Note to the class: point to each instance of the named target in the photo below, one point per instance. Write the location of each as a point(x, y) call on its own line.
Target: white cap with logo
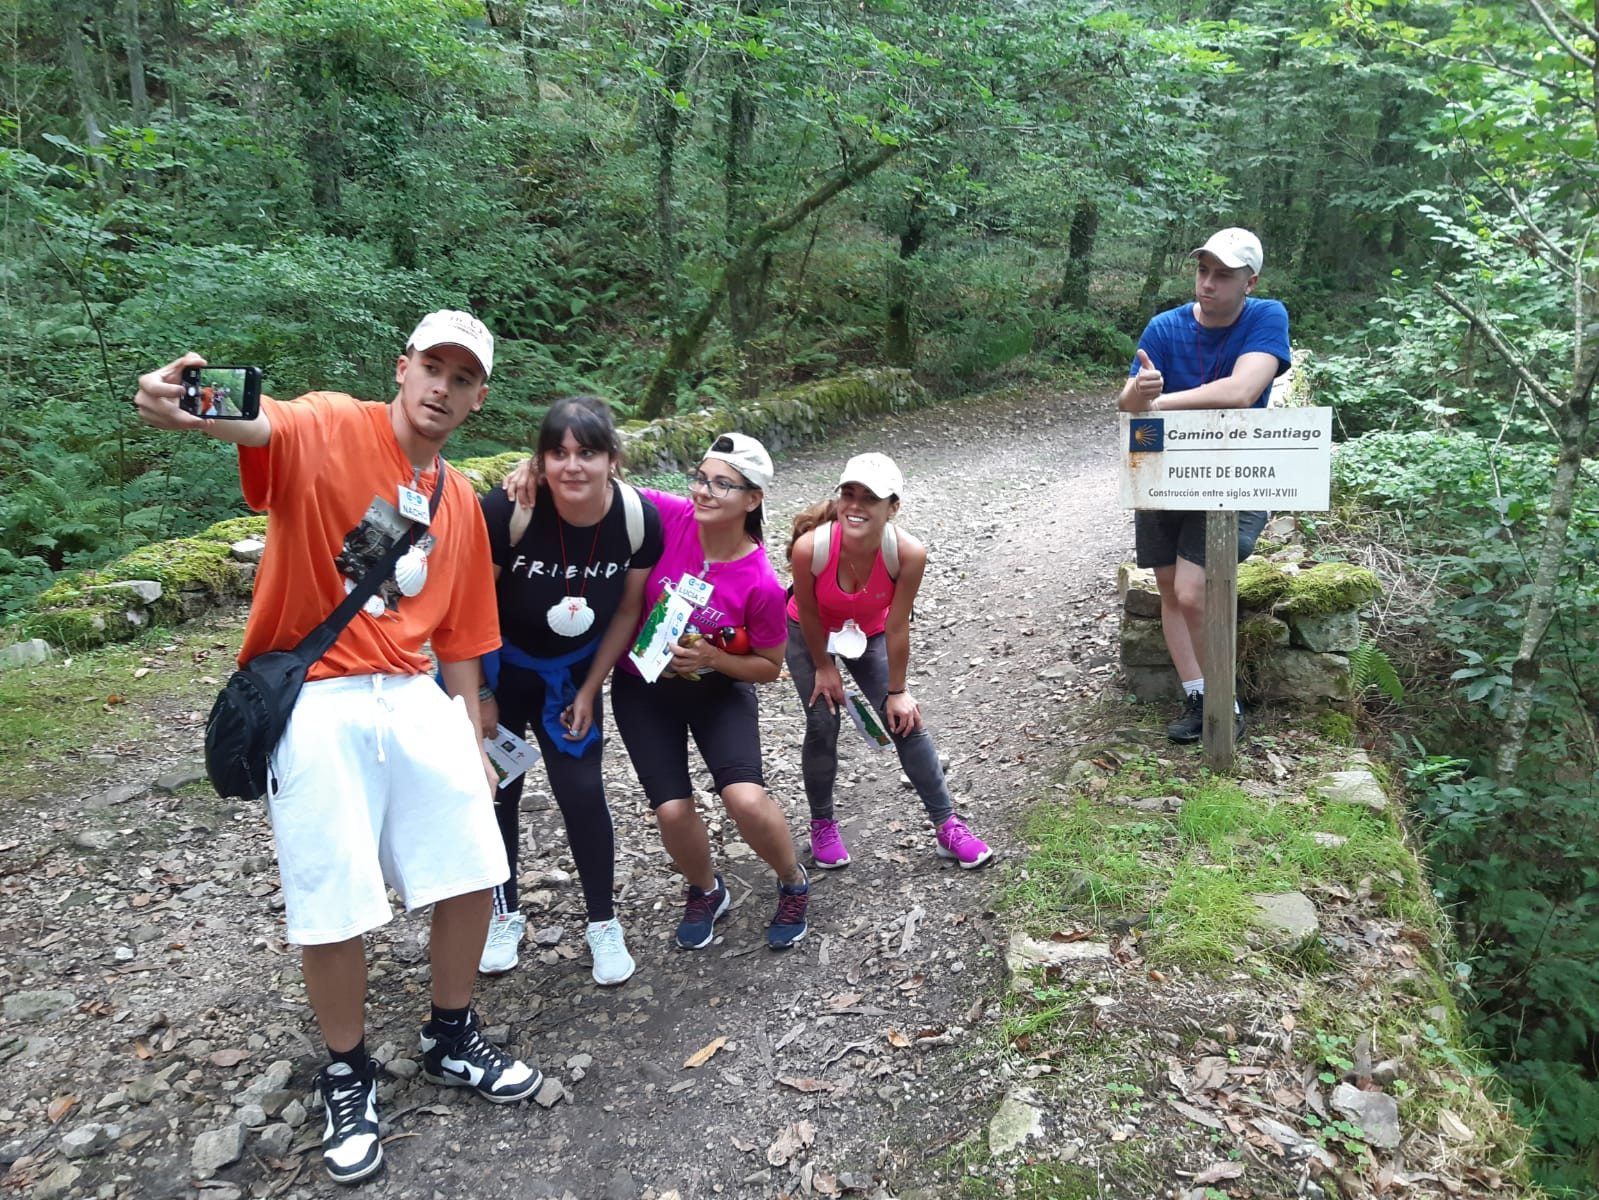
point(876, 472)
point(745, 455)
point(1235, 248)
point(452, 327)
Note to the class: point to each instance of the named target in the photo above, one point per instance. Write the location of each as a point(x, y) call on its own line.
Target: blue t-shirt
point(1189, 354)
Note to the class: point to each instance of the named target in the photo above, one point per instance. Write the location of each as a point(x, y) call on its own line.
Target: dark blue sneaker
point(700, 913)
point(788, 924)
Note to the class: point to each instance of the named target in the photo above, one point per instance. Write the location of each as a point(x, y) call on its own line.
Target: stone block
point(247, 550)
point(146, 591)
point(1135, 586)
point(1288, 917)
point(1143, 643)
point(25, 654)
point(1326, 632)
point(1154, 685)
point(1304, 675)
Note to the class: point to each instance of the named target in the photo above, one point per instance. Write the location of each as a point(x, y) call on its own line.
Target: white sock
point(1194, 687)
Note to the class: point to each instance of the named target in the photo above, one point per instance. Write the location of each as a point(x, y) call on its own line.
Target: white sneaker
point(500, 951)
point(612, 963)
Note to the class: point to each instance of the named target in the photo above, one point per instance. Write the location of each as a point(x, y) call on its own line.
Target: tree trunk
point(132, 39)
point(1154, 275)
point(745, 289)
point(83, 81)
point(172, 36)
point(1080, 251)
point(660, 397)
point(899, 342)
point(667, 121)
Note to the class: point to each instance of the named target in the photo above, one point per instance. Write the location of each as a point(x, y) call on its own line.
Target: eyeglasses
point(717, 487)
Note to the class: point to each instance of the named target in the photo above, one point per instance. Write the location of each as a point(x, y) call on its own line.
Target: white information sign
point(1220, 459)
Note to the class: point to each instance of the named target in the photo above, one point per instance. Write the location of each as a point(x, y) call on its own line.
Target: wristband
point(895, 692)
point(485, 692)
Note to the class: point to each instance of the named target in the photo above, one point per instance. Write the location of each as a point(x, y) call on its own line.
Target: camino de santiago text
point(1221, 439)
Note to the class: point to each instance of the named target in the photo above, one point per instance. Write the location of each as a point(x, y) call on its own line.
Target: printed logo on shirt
point(534, 568)
point(368, 542)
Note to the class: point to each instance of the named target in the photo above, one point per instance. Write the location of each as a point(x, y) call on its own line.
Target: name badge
point(695, 590)
point(414, 506)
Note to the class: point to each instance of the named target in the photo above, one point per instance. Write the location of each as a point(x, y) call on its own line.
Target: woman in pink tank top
point(853, 597)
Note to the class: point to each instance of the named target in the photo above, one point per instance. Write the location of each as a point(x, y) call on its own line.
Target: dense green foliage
point(686, 203)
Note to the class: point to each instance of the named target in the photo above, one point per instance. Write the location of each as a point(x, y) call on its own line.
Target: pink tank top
point(868, 607)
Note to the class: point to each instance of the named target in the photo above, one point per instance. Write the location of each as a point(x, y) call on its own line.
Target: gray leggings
point(819, 757)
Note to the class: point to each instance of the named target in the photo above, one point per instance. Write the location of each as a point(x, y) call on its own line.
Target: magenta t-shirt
point(743, 592)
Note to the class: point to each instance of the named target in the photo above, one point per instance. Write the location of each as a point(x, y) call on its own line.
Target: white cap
point(876, 472)
point(745, 455)
point(452, 327)
point(1235, 248)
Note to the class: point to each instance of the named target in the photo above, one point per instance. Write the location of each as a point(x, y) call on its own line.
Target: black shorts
point(1162, 538)
point(657, 719)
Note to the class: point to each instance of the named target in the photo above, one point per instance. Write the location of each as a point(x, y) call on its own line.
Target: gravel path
point(849, 1064)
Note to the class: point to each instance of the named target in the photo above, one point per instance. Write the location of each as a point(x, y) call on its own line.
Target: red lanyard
point(1221, 349)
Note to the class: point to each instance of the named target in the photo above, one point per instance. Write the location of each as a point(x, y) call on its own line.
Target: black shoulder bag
point(252, 710)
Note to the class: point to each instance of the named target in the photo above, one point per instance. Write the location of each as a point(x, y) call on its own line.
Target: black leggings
point(657, 719)
point(579, 790)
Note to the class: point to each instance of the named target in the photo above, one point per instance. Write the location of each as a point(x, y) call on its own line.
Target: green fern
point(1370, 667)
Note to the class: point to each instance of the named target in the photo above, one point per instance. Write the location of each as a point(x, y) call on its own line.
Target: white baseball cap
point(745, 455)
point(1235, 248)
point(452, 327)
point(876, 472)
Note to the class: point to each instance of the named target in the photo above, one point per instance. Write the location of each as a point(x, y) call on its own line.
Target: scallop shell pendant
point(411, 572)
point(848, 641)
point(570, 617)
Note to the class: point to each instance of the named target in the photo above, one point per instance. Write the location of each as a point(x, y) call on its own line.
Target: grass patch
point(70, 719)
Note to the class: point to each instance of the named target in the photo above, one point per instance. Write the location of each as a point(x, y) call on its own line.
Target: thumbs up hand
point(1143, 388)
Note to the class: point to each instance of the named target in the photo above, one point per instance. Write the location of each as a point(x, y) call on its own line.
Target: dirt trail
point(158, 918)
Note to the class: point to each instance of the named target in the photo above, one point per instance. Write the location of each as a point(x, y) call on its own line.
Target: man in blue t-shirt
point(1221, 351)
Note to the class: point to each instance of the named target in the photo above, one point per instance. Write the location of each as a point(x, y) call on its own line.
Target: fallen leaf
point(898, 1039)
point(141, 1049)
point(705, 1053)
point(1068, 935)
point(741, 1145)
point(911, 984)
point(1195, 1115)
point(805, 1083)
point(844, 1000)
point(1288, 1022)
point(1453, 1128)
point(1210, 1072)
point(1157, 976)
point(141, 672)
point(793, 1138)
point(60, 1107)
point(228, 1058)
point(1218, 1172)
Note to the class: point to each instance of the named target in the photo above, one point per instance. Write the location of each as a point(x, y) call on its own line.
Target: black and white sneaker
point(473, 1061)
point(352, 1148)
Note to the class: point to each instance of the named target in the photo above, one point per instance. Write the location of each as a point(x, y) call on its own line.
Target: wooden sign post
point(1223, 461)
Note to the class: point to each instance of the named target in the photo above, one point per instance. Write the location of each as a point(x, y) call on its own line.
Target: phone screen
point(224, 393)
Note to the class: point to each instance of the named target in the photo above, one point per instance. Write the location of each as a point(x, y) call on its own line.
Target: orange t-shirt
point(329, 480)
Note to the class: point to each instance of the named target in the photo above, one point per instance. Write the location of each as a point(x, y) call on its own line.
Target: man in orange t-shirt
point(380, 779)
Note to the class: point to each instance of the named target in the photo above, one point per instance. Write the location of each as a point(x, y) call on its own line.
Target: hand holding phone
point(221, 393)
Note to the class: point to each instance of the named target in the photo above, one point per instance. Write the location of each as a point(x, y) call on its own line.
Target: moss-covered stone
point(485, 473)
point(236, 529)
point(1260, 583)
point(78, 628)
point(1329, 588)
point(181, 565)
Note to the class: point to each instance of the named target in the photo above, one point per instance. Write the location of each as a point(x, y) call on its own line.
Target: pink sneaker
point(827, 847)
point(957, 842)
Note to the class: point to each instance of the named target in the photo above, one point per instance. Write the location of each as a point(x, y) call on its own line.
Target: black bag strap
point(320, 640)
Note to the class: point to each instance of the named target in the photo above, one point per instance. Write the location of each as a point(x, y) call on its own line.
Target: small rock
point(1158, 804)
point(1377, 1114)
point(146, 1088)
point(217, 1148)
point(86, 1141)
point(738, 851)
point(36, 1005)
point(252, 1116)
point(1333, 840)
point(1290, 914)
point(25, 654)
point(13, 1150)
point(112, 797)
point(549, 1092)
point(147, 591)
point(294, 1114)
point(1352, 787)
point(58, 1183)
point(173, 781)
point(549, 936)
point(402, 1068)
point(580, 1062)
point(1025, 953)
point(274, 1079)
point(247, 550)
point(1017, 1120)
point(276, 1139)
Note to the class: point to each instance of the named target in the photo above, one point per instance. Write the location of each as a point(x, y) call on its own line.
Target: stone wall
point(1297, 624)
point(180, 579)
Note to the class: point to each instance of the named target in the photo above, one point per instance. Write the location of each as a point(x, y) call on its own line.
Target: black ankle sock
point(449, 1023)
point(356, 1059)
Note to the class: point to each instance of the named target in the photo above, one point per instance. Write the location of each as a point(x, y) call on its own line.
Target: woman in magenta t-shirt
point(859, 608)
point(734, 641)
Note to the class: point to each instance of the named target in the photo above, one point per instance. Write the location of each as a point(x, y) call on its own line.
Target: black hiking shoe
point(1189, 727)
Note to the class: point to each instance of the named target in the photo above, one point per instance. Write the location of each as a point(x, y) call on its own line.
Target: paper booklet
point(510, 755)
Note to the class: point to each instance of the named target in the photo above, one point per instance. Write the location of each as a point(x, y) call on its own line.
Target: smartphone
point(225, 393)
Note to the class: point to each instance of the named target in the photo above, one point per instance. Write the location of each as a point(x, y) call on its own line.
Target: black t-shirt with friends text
point(537, 572)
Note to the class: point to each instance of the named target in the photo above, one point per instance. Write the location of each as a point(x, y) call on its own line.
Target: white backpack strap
point(891, 550)
point(821, 547)
point(633, 511)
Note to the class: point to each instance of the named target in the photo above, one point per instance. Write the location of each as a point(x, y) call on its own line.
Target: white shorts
point(378, 782)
